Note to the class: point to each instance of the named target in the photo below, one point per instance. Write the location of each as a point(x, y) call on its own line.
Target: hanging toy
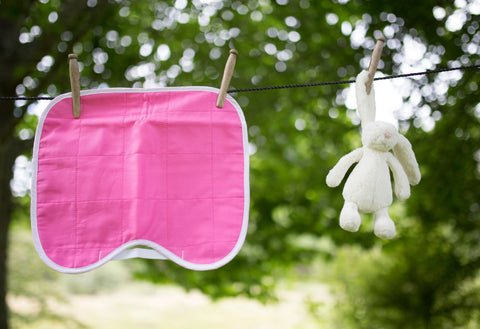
point(368, 189)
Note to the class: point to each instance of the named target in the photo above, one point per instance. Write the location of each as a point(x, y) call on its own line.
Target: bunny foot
point(384, 226)
point(349, 217)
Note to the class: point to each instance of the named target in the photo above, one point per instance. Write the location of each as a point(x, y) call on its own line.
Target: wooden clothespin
point(377, 52)
point(75, 84)
point(227, 77)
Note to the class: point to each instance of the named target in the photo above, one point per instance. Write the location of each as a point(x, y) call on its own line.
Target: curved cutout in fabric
point(151, 173)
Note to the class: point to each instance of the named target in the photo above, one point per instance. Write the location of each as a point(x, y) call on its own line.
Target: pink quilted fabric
point(142, 173)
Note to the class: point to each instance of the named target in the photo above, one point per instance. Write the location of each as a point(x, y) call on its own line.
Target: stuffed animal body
point(368, 189)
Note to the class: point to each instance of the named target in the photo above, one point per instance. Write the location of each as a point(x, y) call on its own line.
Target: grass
point(108, 298)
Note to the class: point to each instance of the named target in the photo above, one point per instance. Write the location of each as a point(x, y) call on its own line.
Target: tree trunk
point(7, 158)
point(74, 16)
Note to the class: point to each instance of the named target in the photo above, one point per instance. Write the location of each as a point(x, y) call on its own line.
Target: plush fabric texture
point(142, 173)
point(368, 188)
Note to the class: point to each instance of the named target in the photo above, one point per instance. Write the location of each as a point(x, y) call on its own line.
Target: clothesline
point(387, 77)
point(302, 85)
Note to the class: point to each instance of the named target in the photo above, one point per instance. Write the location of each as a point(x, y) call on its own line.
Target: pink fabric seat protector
point(165, 169)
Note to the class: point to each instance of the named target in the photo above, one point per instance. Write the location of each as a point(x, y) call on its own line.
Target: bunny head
point(383, 136)
point(377, 135)
point(380, 136)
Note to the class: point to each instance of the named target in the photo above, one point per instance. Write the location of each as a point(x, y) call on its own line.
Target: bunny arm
point(336, 174)
point(402, 185)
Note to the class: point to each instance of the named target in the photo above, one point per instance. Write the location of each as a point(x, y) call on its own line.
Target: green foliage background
point(428, 276)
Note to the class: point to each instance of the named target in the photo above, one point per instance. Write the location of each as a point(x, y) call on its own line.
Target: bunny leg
point(384, 226)
point(349, 217)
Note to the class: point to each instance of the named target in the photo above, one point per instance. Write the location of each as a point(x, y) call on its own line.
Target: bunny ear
point(365, 102)
point(404, 153)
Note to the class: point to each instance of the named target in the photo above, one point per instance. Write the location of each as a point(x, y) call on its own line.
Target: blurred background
point(298, 268)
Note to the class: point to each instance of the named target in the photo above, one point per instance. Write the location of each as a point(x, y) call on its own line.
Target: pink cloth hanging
point(159, 173)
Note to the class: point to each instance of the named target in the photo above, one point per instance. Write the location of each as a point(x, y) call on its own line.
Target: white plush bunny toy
point(368, 189)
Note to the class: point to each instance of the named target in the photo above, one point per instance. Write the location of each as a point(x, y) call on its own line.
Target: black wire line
point(24, 98)
point(387, 77)
point(301, 85)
